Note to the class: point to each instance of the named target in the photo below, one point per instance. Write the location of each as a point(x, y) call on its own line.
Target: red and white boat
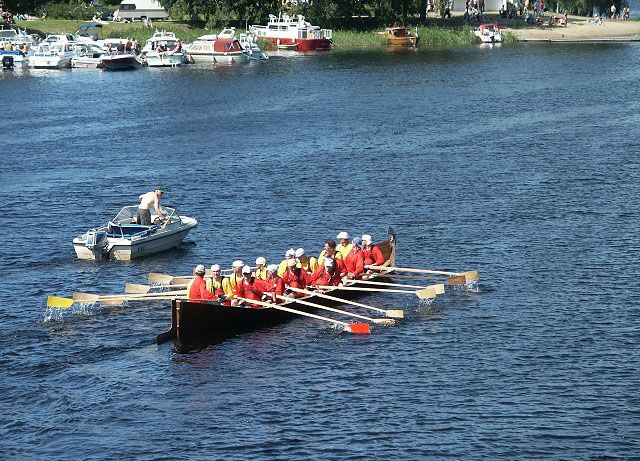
point(217, 49)
point(294, 33)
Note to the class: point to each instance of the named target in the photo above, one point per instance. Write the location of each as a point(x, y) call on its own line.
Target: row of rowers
point(336, 262)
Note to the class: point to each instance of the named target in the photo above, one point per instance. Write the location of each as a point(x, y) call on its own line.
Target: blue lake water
point(520, 162)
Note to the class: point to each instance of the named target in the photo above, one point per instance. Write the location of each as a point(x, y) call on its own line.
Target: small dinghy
point(124, 239)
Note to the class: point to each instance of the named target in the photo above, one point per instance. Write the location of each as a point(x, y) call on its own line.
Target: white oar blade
point(384, 321)
point(471, 276)
point(439, 288)
point(85, 297)
point(132, 288)
point(428, 292)
point(395, 313)
point(163, 279)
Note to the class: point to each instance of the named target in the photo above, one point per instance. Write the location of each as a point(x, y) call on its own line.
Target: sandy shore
point(579, 30)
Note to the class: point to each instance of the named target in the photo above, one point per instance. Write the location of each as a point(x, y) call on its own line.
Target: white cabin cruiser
point(88, 56)
point(214, 49)
point(123, 239)
point(164, 49)
point(52, 56)
point(489, 33)
point(247, 41)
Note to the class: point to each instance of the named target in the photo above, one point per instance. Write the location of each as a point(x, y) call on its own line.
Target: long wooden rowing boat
point(198, 323)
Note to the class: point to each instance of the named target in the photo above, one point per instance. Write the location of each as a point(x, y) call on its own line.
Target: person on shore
point(354, 262)
point(613, 10)
point(261, 268)
point(344, 247)
point(197, 288)
point(220, 286)
point(148, 200)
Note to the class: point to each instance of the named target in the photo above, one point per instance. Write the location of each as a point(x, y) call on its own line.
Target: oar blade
point(59, 303)
point(471, 276)
point(132, 288)
point(358, 328)
point(438, 288)
point(112, 302)
point(457, 280)
point(384, 322)
point(395, 313)
point(181, 280)
point(85, 297)
point(425, 293)
point(163, 279)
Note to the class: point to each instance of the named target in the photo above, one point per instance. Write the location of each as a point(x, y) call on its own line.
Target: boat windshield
point(128, 214)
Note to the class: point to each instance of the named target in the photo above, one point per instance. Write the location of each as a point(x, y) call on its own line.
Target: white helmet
point(200, 269)
point(237, 263)
point(261, 261)
point(342, 235)
point(215, 268)
point(300, 252)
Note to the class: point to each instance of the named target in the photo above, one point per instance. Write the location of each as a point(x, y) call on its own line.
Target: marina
point(481, 158)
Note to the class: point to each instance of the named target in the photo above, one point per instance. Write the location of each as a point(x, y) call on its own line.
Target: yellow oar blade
point(59, 303)
point(136, 288)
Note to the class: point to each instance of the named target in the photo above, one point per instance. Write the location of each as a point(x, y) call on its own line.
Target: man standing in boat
point(148, 200)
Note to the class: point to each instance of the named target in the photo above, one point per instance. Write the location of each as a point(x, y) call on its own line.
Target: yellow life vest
point(261, 273)
point(282, 267)
point(344, 250)
point(323, 253)
point(311, 266)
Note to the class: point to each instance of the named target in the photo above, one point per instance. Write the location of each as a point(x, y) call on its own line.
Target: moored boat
point(163, 49)
point(489, 33)
point(52, 55)
point(124, 61)
point(294, 33)
point(215, 49)
point(399, 36)
point(123, 239)
point(88, 56)
point(196, 322)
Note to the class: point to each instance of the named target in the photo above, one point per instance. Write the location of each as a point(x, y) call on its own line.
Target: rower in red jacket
point(372, 254)
point(354, 261)
point(295, 277)
point(197, 288)
point(246, 289)
point(272, 287)
point(327, 274)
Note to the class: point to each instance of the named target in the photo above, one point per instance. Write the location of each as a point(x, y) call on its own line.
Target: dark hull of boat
point(126, 63)
point(194, 324)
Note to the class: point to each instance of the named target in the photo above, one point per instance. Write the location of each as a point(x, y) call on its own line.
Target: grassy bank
point(437, 34)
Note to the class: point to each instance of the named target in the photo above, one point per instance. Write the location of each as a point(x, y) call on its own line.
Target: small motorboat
point(88, 56)
point(164, 49)
point(52, 56)
point(399, 36)
point(216, 50)
point(489, 33)
point(123, 239)
point(248, 42)
point(122, 61)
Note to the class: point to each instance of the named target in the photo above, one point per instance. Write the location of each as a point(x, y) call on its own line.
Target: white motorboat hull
point(491, 38)
point(86, 63)
point(126, 249)
point(49, 62)
point(228, 58)
point(165, 59)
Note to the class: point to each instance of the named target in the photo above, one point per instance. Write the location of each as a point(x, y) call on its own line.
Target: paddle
point(429, 292)
point(393, 313)
point(84, 298)
point(338, 311)
point(135, 288)
point(470, 276)
point(389, 284)
point(455, 280)
point(356, 328)
point(166, 279)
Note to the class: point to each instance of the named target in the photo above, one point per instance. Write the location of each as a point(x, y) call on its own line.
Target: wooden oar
point(393, 313)
point(135, 288)
point(356, 328)
point(338, 311)
point(455, 280)
point(470, 276)
point(429, 292)
point(389, 284)
point(65, 303)
point(166, 279)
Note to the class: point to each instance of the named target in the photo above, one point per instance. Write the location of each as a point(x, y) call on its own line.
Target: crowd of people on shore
point(336, 263)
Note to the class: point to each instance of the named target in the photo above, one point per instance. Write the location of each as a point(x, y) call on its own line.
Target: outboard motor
point(7, 62)
point(97, 242)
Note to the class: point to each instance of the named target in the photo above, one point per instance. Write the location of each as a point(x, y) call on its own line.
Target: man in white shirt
point(147, 201)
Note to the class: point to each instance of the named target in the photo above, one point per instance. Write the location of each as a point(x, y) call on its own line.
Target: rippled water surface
point(520, 162)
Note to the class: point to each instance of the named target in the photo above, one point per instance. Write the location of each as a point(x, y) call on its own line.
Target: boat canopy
point(128, 214)
point(485, 28)
point(227, 45)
